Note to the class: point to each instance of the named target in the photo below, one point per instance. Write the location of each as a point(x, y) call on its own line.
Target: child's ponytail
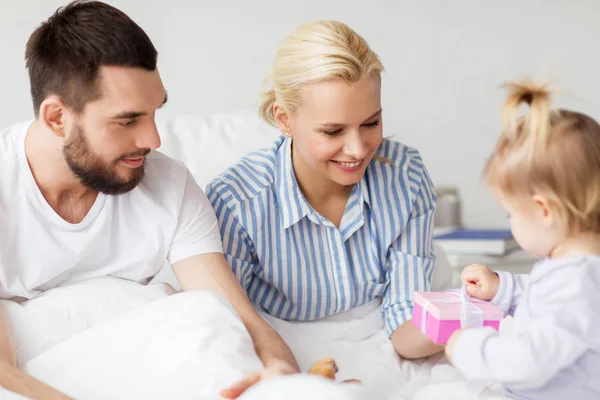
point(534, 127)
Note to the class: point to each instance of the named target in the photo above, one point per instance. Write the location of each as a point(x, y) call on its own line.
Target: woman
point(332, 216)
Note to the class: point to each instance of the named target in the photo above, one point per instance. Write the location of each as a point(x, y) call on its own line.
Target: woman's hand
point(410, 343)
point(481, 282)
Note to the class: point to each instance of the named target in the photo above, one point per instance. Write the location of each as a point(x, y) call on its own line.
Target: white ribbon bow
point(470, 315)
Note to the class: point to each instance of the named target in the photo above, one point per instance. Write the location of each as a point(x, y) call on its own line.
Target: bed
point(110, 338)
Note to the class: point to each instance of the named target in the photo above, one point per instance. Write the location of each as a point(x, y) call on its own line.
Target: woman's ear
point(52, 114)
point(283, 120)
point(544, 211)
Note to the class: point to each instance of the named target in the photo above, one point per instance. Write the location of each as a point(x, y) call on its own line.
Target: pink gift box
point(438, 314)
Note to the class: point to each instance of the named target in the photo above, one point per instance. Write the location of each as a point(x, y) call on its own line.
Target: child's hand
point(481, 282)
point(451, 342)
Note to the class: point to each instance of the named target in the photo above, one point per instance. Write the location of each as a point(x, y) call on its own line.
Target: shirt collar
point(290, 199)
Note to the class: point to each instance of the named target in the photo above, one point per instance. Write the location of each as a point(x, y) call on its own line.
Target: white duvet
point(114, 339)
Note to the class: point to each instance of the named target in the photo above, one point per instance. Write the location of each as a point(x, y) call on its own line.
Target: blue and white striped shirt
point(296, 265)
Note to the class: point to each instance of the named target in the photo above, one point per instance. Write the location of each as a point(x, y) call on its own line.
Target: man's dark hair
point(65, 53)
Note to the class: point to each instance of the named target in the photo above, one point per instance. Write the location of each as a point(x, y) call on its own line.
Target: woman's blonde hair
point(554, 153)
point(316, 52)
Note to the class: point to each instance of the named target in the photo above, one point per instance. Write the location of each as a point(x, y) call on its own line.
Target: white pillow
point(210, 145)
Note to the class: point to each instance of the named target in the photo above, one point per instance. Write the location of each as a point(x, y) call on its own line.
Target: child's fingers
point(470, 275)
point(473, 290)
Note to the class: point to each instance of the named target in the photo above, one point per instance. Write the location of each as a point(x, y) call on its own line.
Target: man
point(83, 194)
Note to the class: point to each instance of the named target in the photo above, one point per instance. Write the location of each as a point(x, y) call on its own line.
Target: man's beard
point(94, 173)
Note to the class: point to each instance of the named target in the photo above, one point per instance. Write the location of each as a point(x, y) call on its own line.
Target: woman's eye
point(372, 124)
point(332, 133)
point(367, 125)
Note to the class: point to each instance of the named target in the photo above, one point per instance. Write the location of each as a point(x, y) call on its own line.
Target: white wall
point(444, 59)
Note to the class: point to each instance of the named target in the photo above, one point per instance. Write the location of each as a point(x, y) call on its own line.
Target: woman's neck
point(580, 244)
point(316, 188)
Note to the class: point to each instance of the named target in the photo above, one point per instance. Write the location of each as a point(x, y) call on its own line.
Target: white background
point(444, 62)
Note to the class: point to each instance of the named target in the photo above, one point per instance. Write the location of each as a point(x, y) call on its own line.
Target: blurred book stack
point(490, 242)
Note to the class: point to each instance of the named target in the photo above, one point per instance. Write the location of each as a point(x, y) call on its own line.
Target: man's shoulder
point(160, 164)
point(9, 141)
point(164, 176)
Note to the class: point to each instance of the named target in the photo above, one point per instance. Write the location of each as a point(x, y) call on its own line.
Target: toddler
point(545, 172)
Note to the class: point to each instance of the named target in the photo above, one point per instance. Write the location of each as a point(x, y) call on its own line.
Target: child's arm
point(560, 327)
point(510, 291)
point(501, 288)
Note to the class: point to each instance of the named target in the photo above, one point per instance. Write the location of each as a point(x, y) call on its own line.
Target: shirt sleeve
point(197, 230)
point(411, 259)
point(237, 244)
point(561, 327)
point(510, 291)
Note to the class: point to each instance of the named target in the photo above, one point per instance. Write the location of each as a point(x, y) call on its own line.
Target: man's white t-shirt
point(166, 217)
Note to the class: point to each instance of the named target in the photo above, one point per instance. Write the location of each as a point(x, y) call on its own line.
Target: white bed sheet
point(358, 342)
point(110, 338)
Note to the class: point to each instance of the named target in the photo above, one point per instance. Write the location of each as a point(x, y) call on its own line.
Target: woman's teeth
point(350, 165)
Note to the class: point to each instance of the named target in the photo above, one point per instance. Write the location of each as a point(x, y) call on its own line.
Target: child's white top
point(554, 350)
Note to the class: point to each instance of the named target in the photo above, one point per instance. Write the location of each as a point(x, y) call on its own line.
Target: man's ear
point(52, 114)
point(544, 211)
point(283, 120)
